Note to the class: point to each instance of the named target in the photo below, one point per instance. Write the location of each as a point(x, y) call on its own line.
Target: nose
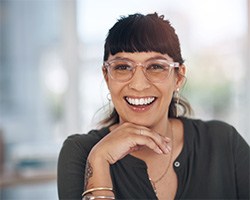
point(139, 81)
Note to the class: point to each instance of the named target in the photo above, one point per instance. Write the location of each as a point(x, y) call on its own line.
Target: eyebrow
point(151, 58)
point(158, 57)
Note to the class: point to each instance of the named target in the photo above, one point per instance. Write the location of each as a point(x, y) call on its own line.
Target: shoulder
point(215, 138)
point(212, 131)
point(216, 127)
point(84, 142)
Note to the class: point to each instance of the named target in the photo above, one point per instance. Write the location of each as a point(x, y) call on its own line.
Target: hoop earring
point(177, 101)
point(109, 104)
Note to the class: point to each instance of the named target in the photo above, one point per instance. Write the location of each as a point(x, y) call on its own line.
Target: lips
point(141, 101)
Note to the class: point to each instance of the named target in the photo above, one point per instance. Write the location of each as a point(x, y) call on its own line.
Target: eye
point(121, 67)
point(156, 67)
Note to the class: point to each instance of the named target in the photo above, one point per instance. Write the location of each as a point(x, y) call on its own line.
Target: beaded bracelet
point(97, 189)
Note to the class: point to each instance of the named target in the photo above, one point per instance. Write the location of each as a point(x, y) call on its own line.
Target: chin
point(141, 122)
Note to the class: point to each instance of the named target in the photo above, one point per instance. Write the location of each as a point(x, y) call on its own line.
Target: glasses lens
point(121, 70)
point(157, 70)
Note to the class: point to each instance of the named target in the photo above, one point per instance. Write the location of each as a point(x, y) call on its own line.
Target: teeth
point(140, 101)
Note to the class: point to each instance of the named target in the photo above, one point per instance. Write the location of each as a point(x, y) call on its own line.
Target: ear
point(181, 76)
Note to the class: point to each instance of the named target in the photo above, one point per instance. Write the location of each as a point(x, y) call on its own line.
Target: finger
point(161, 141)
point(156, 138)
point(147, 141)
point(141, 131)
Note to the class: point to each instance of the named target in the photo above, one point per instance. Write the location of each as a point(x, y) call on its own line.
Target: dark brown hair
point(145, 33)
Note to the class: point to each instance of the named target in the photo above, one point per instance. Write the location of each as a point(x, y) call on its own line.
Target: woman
point(147, 149)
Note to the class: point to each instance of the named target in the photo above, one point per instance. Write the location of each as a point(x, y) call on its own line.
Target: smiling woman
point(139, 84)
point(146, 149)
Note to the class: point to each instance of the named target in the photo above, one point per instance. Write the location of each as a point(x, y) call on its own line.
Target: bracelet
point(97, 197)
point(97, 189)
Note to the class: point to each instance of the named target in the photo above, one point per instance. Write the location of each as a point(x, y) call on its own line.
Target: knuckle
point(151, 142)
point(126, 123)
point(162, 142)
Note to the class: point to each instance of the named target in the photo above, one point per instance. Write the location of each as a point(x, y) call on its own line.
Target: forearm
point(118, 143)
point(97, 175)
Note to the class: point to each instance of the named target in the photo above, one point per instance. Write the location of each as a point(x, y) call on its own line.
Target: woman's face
point(139, 100)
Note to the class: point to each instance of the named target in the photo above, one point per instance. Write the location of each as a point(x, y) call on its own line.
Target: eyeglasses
point(155, 70)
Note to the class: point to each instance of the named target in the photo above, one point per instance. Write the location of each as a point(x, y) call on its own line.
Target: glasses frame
point(134, 65)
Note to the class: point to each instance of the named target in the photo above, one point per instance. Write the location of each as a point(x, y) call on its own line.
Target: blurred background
point(51, 83)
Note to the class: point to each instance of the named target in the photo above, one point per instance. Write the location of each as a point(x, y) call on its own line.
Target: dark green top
point(213, 164)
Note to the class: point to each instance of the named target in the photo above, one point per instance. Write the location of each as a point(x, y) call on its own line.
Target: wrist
point(97, 159)
point(99, 156)
point(97, 173)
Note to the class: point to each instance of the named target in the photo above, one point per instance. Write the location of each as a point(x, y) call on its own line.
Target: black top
point(213, 164)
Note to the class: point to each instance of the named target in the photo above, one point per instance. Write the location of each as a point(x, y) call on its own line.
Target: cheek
point(167, 95)
point(169, 86)
point(167, 91)
point(114, 88)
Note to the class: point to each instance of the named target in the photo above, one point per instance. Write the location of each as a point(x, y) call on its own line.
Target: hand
point(127, 138)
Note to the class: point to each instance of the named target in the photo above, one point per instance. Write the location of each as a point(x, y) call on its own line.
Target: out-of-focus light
point(55, 76)
point(56, 80)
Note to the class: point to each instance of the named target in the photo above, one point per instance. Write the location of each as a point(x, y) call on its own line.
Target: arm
point(96, 176)
point(71, 165)
point(242, 167)
point(118, 143)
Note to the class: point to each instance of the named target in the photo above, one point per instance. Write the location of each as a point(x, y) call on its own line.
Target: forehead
point(139, 56)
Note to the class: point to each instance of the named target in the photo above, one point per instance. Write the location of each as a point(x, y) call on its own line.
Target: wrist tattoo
point(88, 173)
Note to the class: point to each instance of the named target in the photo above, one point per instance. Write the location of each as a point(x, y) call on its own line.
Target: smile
point(140, 101)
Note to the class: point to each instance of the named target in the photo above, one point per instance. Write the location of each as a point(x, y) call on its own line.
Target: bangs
point(141, 34)
point(138, 38)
